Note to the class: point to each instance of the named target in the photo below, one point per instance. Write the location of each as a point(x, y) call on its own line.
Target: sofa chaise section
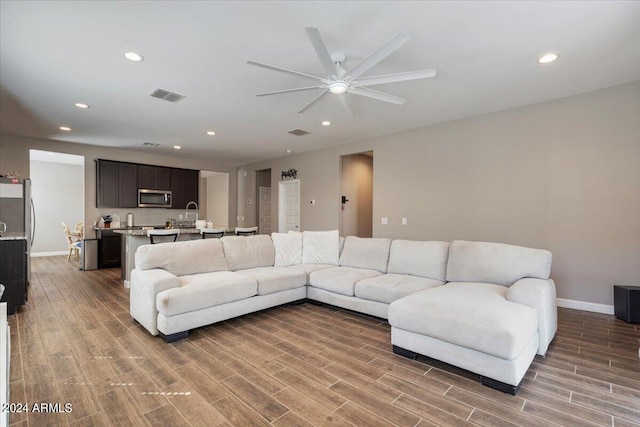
point(491, 318)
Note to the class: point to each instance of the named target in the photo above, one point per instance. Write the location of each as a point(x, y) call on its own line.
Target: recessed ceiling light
point(177, 147)
point(289, 151)
point(65, 128)
point(132, 56)
point(210, 132)
point(81, 105)
point(326, 123)
point(549, 57)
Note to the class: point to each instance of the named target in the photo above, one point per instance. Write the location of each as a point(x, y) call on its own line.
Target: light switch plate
point(404, 220)
point(384, 220)
point(312, 202)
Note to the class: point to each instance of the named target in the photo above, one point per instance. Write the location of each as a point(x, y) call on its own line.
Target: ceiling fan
point(342, 82)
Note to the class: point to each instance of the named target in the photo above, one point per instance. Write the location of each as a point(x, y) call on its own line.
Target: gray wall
point(53, 206)
point(562, 175)
point(14, 156)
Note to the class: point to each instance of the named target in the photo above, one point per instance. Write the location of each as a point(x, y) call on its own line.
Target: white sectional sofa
point(487, 308)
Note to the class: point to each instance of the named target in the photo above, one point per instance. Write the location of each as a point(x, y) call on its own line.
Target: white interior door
point(289, 206)
point(265, 210)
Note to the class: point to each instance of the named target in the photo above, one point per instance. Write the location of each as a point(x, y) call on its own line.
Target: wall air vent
point(298, 132)
point(150, 144)
point(166, 95)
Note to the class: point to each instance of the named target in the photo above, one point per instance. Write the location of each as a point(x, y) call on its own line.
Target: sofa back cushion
point(495, 263)
point(320, 247)
point(182, 258)
point(244, 252)
point(370, 253)
point(424, 259)
point(288, 247)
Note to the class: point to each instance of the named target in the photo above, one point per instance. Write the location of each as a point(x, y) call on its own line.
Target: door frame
point(282, 202)
point(261, 191)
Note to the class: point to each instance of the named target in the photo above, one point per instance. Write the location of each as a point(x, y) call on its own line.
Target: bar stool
point(164, 235)
point(214, 233)
point(246, 231)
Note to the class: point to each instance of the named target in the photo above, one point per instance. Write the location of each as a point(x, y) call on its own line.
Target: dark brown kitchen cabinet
point(109, 248)
point(184, 187)
point(127, 185)
point(14, 272)
point(106, 184)
point(154, 177)
point(117, 184)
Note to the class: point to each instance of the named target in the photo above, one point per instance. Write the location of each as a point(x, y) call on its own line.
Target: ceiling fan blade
point(387, 49)
point(393, 78)
point(370, 93)
point(284, 70)
point(345, 99)
point(316, 99)
point(290, 90)
point(321, 51)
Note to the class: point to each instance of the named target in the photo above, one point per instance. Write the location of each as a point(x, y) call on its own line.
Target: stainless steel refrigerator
point(18, 216)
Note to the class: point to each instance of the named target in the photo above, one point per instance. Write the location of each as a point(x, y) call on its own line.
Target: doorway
point(289, 206)
point(214, 197)
point(356, 183)
point(57, 190)
point(263, 196)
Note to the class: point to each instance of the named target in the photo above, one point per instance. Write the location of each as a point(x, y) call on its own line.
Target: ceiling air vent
point(298, 132)
point(150, 144)
point(166, 95)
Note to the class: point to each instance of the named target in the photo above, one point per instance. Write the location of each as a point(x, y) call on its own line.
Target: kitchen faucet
point(186, 214)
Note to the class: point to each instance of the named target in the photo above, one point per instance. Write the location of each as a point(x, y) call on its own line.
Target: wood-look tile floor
point(75, 342)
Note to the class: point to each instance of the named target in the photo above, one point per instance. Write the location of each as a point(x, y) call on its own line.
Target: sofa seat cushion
point(390, 287)
point(198, 291)
point(309, 268)
point(341, 280)
point(471, 315)
point(275, 279)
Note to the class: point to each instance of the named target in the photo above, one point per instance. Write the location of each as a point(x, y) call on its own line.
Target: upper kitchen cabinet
point(184, 187)
point(116, 184)
point(154, 177)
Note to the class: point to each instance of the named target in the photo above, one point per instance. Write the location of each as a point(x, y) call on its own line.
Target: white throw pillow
point(288, 248)
point(320, 247)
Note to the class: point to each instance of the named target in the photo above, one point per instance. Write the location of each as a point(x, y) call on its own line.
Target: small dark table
point(626, 303)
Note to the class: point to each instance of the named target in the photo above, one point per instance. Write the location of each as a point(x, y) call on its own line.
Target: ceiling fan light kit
point(343, 83)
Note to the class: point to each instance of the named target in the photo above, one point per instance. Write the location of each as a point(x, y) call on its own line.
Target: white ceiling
point(56, 53)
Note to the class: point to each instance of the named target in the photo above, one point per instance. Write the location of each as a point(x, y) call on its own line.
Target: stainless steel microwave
point(154, 198)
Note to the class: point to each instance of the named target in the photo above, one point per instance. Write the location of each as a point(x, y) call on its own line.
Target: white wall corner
point(586, 306)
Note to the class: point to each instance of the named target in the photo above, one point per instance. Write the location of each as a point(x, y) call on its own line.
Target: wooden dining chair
point(74, 240)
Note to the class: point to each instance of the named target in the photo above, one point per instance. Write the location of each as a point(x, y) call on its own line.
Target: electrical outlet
point(249, 201)
point(384, 220)
point(242, 217)
point(404, 220)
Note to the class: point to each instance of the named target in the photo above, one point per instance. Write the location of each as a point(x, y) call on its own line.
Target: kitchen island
point(134, 238)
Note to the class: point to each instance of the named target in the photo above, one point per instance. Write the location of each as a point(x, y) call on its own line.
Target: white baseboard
point(55, 253)
point(586, 306)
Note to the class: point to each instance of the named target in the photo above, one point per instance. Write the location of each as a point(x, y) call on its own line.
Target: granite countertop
point(13, 235)
point(140, 232)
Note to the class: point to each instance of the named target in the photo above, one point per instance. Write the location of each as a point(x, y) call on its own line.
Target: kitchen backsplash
point(151, 216)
